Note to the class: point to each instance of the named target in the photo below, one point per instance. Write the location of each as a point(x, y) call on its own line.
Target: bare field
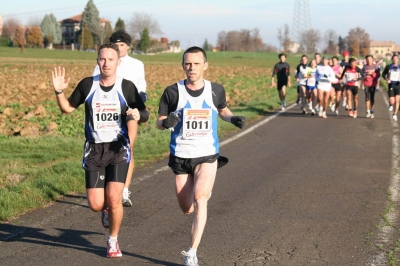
point(26, 87)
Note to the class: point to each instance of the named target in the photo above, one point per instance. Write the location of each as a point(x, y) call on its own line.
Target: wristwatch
point(58, 92)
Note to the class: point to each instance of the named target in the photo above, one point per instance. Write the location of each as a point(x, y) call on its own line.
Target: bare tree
point(33, 21)
point(140, 21)
point(331, 38)
point(309, 40)
point(284, 38)
point(358, 41)
point(240, 40)
point(10, 27)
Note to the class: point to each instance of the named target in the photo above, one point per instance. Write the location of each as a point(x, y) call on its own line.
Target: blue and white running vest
point(105, 113)
point(196, 134)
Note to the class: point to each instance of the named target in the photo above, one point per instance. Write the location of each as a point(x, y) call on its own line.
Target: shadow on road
point(67, 238)
point(74, 200)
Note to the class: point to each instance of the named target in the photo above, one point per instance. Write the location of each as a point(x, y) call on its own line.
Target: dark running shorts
point(182, 166)
point(337, 86)
point(106, 159)
point(394, 89)
point(282, 83)
point(111, 173)
point(353, 89)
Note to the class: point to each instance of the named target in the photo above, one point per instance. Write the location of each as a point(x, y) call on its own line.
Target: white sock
point(125, 189)
point(112, 238)
point(323, 113)
point(368, 111)
point(192, 251)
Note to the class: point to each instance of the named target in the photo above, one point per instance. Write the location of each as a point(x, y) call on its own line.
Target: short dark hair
point(317, 54)
point(369, 55)
point(282, 54)
point(193, 50)
point(304, 55)
point(351, 60)
point(395, 54)
point(110, 45)
point(335, 57)
point(121, 36)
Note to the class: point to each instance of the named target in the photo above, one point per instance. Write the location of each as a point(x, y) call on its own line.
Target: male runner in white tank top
point(190, 109)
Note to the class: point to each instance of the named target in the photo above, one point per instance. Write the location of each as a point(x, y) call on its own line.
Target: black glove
point(239, 121)
point(170, 121)
point(143, 96)
point(325, 76)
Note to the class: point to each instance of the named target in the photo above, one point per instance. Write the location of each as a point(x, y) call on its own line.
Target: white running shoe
point(310, 106)
point(391, 108)
point(189, 260)
point(320, 111)
point(126, 201)
point(344, 102)
point(395, 117)
point(336, 113)
point(333, 108)
point(372, 115)
point(368, 115)
point(316, 108)
point(283, 108)
point(312, 112)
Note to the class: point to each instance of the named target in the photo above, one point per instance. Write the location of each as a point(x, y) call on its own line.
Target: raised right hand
point(59, 81)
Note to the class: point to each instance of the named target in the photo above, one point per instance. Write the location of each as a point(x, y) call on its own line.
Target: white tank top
point(196, 134)
point(105, 112)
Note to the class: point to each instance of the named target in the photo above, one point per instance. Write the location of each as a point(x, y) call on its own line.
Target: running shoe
point(368, 115)
point(320, 111)
point(324, 115)
point(355, 114)
point(333, 107)
point(298, 100)
point(372, 115)
point(113, 250)
point(390, 108)
point(189, 259)
point(126, 201)
point(317, 108)
point(336, 113)
point(304, 111)
point(283, 108)
point(395, 117)
point(344, 102)
point(312, 112)
point(351, 113)
point(104, 218)
point(310, 105)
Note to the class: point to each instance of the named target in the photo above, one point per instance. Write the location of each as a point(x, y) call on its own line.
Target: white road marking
point(385, 233)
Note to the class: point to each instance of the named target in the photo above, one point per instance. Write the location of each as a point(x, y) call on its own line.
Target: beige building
point(380, 49)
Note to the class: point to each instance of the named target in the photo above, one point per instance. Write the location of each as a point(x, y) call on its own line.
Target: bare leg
point(115, 211)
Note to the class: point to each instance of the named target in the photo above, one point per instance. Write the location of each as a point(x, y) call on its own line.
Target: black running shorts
point(281, 83)
point(182, 166)
point(337, 87)
point(353, 89)
point(111, 173)
point(394, 89)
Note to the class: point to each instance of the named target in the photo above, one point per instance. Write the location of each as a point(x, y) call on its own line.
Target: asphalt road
point(298, 190)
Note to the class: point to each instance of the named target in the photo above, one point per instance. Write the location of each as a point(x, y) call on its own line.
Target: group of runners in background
point(323, 82)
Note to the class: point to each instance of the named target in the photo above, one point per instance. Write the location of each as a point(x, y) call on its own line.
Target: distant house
point(70, 27)
point(381, 49)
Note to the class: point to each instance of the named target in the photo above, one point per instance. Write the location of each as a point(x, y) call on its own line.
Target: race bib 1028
point(197, 123)
point(106, 116)
point(394, 75)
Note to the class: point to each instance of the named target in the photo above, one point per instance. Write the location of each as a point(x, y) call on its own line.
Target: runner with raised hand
point(110, 102)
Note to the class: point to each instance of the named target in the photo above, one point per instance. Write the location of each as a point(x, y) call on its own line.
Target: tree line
point(356, 42)
point(43, 34)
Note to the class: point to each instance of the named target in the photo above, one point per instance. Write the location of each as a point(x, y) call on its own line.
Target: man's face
point(108, 62)
point(334, 61)
point(194, 66)
point(123, 48)
point(353, 64)
point(326, 62)
point(346, 58)
point(282, 58)
point(317, 58)
point(395, 59)
point(304, 60)
point(369, 60)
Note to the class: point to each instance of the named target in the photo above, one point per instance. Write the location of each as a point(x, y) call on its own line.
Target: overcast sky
point(191, 22)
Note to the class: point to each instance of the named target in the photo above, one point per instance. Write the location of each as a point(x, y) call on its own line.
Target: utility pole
point(301, 19)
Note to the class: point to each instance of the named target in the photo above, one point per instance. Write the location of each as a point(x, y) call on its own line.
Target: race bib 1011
point(197, 123)
point(106, 116)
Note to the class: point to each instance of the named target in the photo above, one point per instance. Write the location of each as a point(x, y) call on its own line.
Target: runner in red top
point(372, 74)
point(336, 84)
point(353, 75)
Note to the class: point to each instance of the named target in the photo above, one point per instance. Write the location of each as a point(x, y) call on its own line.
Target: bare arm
point(59, 84)
point(160, 121)
point(225, 114)
point(132, 132)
